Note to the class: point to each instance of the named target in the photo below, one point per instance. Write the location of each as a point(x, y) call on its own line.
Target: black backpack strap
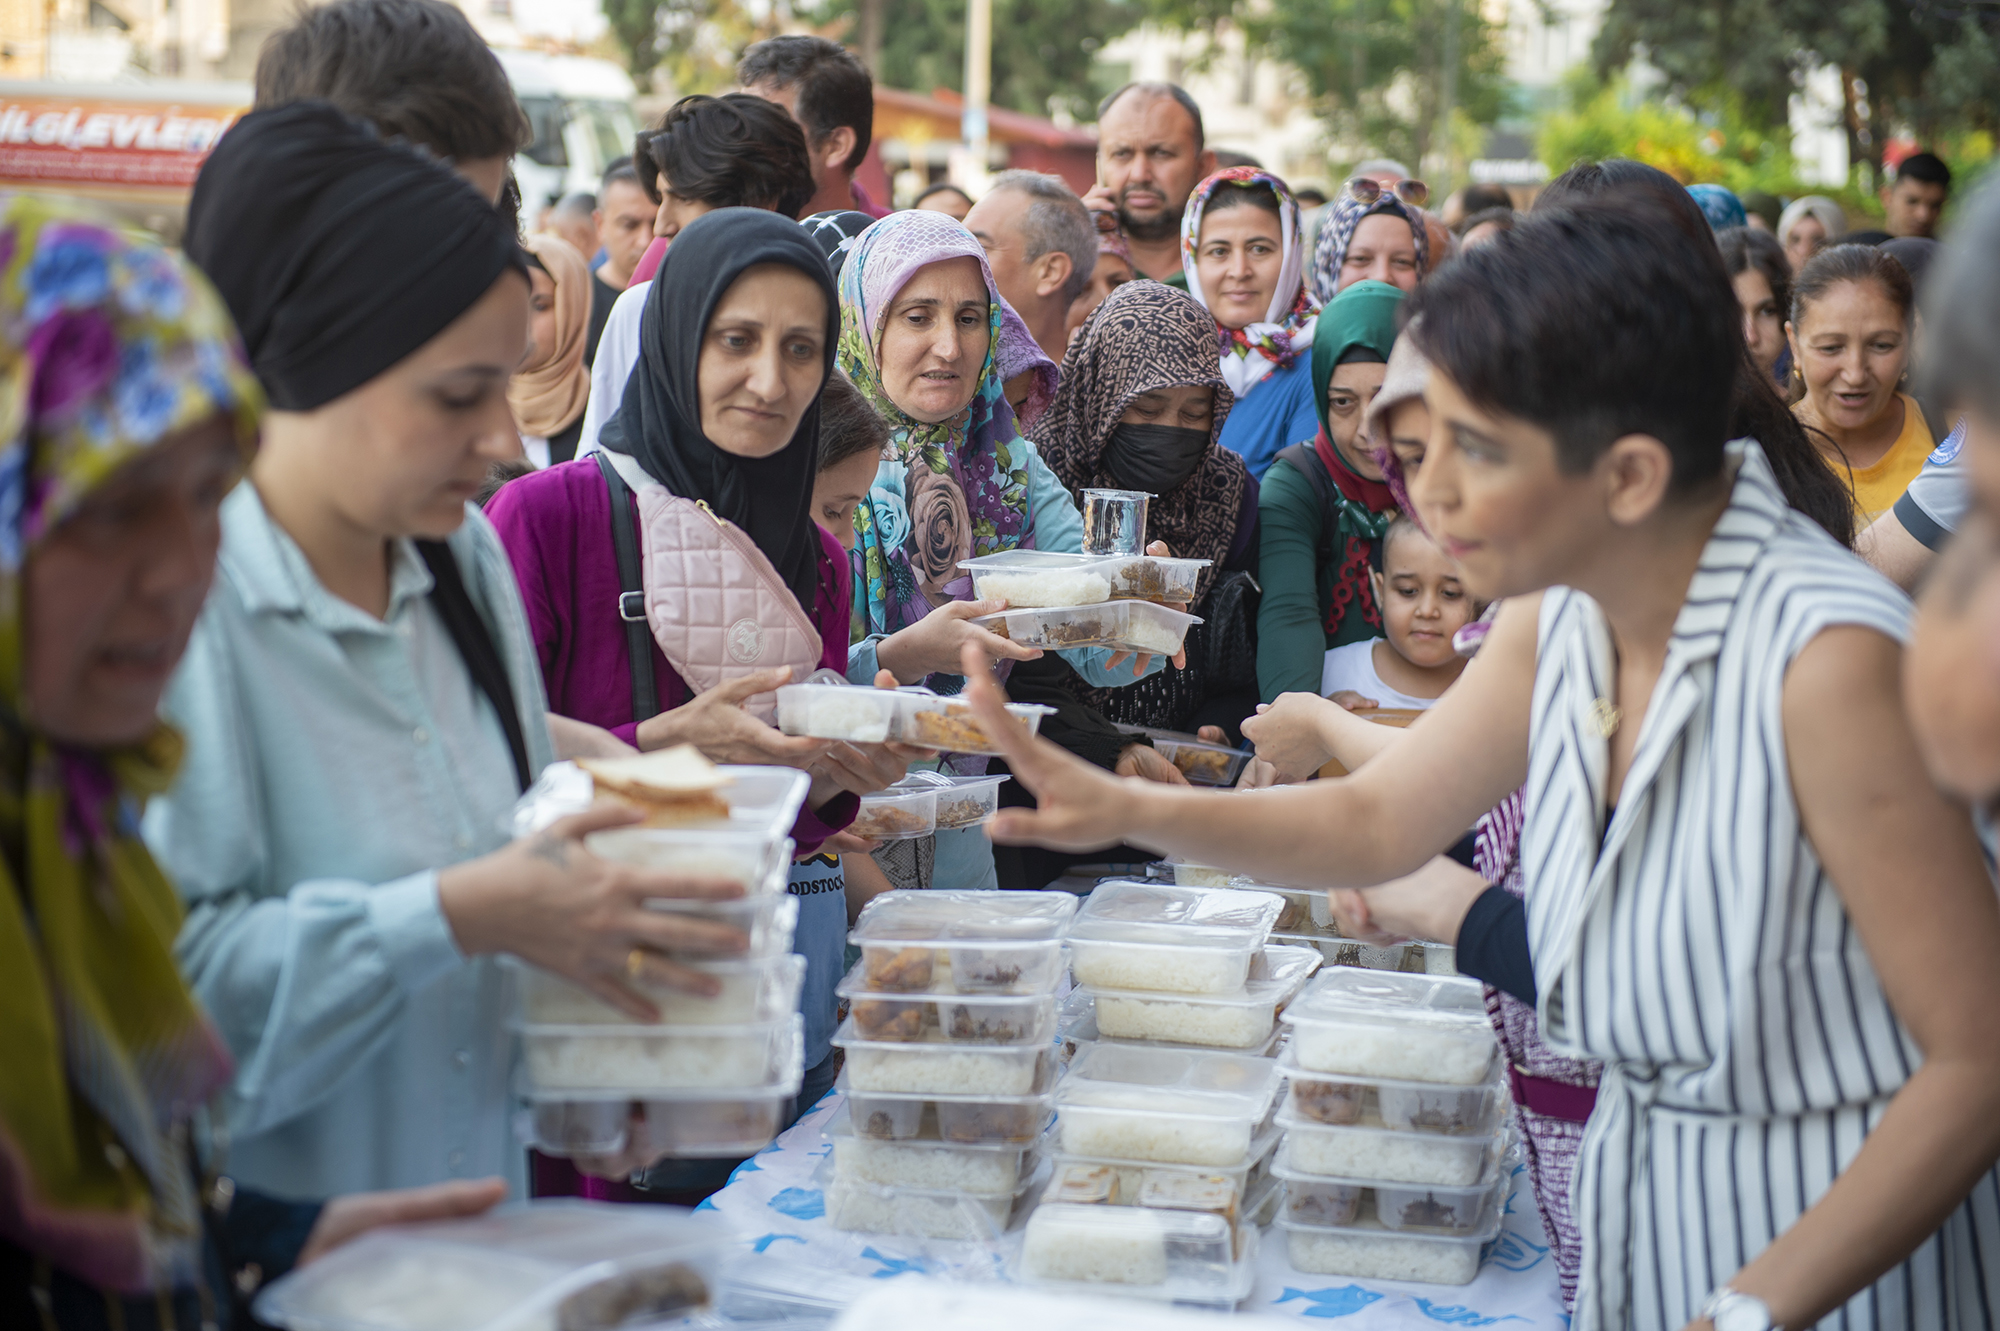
point(475, 646)
point(1306, 462)
point(631, 594)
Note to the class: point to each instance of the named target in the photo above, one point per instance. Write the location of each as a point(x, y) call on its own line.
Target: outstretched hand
point(349, 1217)
point(1079, 807)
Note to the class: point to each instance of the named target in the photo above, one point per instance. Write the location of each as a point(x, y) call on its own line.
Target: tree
point(695, 42)
point(1043, 50)
point(1925, 65)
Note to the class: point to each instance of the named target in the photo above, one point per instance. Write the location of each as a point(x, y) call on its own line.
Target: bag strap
point(475, 646)
point(1305, 460)
point(631, 594)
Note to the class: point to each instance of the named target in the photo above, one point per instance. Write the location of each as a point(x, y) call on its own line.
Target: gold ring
point(635, 963)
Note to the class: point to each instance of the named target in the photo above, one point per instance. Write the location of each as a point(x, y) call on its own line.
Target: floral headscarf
point(107, 346)
point(1343, 216)
point(1253, 351)
point(950, 490)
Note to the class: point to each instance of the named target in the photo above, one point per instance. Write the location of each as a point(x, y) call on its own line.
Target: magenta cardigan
point(556, 525)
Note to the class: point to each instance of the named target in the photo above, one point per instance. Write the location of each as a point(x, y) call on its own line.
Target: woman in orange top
point(1850, 339)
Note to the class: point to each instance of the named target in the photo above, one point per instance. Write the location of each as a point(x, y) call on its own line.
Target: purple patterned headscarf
point(1019, 352)
point(1344, 215)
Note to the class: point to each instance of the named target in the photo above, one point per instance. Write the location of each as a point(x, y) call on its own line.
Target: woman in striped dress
point(1744, 895)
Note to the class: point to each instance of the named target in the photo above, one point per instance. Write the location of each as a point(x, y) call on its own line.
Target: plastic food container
point(969, 801)
point(1453, 1211)
point(1009, 1120)
point(927, 1163)
point(840, 711)
point(1076, 1028)
point(1132, 626)
point(697, 1124)
point(1119, 1102)
point(1369, 1250)
point(1408, 958)
point(752, 992)
point(875, 1208)
point(1402, 1106)
point(1381, 1024)
point(1367, 1150)
point(1187, 873)
point(905, 810)
point(1202, 763)
point(748, 857)
point(767, 920)
point(658, 1058)
point(942, 1067)
point(944, 942)
point(1124, 1181)
point(967, 1018)
point(1031, 575)
point(947, 724)
point(1229, 1021)
point(1170, 1256)
point(1158, 939)
point(554, 1263)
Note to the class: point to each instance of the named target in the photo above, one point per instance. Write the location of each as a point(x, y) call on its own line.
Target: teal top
point(334, 763)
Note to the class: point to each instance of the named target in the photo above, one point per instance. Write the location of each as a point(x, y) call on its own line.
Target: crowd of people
point(318, 542)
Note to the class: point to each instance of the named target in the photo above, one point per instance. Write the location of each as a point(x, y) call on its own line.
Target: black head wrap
point(659, 420)
point(835, 233)
point(338, 254)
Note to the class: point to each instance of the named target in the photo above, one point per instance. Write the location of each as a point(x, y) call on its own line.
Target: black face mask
point(1154, 458)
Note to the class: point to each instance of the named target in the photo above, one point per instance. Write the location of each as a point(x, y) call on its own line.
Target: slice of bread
point(673, 786)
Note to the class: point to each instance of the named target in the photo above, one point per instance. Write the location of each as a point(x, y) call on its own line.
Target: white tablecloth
point(775, 1203)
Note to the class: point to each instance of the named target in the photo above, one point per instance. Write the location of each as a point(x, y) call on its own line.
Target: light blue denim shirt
point(965, 855)
point(334, 763)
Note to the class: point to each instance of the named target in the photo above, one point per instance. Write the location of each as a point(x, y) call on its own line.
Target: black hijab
point(659, 421)
point(338, 254)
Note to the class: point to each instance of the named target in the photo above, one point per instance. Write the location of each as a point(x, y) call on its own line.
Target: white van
point(581, 110)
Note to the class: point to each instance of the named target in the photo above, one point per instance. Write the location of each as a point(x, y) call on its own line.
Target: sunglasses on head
point(1363, 190)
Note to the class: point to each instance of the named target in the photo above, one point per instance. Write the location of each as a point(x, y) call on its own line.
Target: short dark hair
point(942, 187)
point(1962, 308)
point(1478, 198)
point(1745, 247)
point(1173, 90)
point(1503, 216)
point(847, 424)
point(1056, 220)
point(1234, 194)
point(1927, 167)
point(1592, 323)
point(620, 169)
point(733, 151)
point(834, 87)
point(497, 477)
point(578, 203)
point(416, 69)
point(1841, 264)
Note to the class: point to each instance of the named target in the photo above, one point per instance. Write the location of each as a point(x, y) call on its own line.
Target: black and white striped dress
point(1698, 949)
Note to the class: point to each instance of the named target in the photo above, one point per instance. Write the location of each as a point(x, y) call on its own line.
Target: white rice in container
point(920, 1166)
point(1079, 1243)
point(1103, 964)
point(835, 713)
point(1140, 1123)
point(966, 1071)
point(1147, 635)
point(1036, 590)
point(548, 1000)
point(1392, 1157)
point(1405, 1051)
point(437, 1291)
point(860, 1209)
point(1227, 1026)
point(1383, 1256)
point(649, 1062)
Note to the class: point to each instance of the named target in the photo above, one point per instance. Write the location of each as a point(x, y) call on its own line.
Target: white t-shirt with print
point(1353, 667)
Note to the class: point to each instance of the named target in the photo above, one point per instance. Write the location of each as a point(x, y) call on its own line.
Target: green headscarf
point(108, 345)
point(1362, 314)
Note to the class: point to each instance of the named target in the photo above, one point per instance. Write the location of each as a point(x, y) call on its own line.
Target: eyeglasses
point(1364, 190)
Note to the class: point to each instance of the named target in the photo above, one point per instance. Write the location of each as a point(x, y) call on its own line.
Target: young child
point(851, 439)
point(1423, 603)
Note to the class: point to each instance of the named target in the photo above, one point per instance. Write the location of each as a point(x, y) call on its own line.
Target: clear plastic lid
point(839, 711)
point(905, 810)
point(1166, 1081)
point(748, 991)
point(857, 1206)
point(960, 1018)
point(1390, 1024)
point(1276, 974)
point(1077, 1028)
point(1142, 577)
point(1133, 626)
point(969, 800)
point(948, 725)
point(946, 918)
point(939, 1067)
point(1404, 1105)
point(1129, 912)
point(524, 1267)
point(1372, 1151)
point(763, 801)
point(682, 1122)
point(1171, 1256)
point(659, 1060)
point(1255, 1163)
point(1202, 763)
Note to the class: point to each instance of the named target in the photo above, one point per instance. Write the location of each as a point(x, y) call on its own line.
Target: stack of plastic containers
point(1160, 1178)
point(1395, 1126)
point(1134, 603)
point(949, 1060)
point(1307, 921)
point(1185, 966)
point(713, 1075)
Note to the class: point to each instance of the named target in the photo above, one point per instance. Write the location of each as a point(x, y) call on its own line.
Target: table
point(775, 1203)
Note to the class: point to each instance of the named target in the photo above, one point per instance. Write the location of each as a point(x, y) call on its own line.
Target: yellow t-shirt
point(1877, 488)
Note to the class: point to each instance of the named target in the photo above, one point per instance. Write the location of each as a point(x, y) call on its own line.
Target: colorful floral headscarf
point(107, 346)
point(949, 490)
point(1253, 351)
point(1720, 206)
point(1344, 215)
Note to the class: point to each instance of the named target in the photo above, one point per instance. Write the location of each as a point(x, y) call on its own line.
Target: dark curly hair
point(734, 151)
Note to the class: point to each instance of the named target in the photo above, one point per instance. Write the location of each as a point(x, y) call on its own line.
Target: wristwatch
point(1729, 1310)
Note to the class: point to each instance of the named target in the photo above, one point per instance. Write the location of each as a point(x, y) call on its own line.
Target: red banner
point(50, 141)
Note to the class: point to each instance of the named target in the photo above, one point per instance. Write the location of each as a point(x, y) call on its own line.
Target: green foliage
point(1042, 49)
point(694, 42)
point(1728, 148)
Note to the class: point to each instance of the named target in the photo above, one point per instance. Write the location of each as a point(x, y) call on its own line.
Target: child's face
point(838, 491)
point(1423, 602)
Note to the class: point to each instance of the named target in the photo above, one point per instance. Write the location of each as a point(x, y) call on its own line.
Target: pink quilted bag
point(716, 605)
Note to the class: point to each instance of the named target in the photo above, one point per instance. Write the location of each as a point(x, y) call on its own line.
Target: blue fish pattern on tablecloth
point(800, 1203)
point(1512, 1252)
point(891, 1266)
point(1342, 1302)
point(1453, 1315)
point(761, 1244)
